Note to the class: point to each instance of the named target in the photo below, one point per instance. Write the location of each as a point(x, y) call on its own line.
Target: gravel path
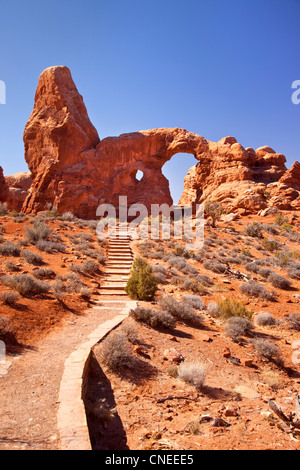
point(29, 391)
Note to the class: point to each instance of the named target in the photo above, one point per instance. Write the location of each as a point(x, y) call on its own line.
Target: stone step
point(113, 286)
point(122, 249)
point(119, 259)
point(109, 292)
point(120, 253)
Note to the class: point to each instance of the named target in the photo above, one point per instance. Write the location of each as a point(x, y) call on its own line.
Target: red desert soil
point(155, 409)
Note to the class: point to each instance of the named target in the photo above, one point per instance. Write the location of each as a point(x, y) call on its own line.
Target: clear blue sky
point(214, 67)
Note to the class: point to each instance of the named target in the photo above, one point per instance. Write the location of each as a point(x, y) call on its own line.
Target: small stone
point(247, 362)
point(220, 422)
point(173, 355)
point(230, 412)
point(226, 352)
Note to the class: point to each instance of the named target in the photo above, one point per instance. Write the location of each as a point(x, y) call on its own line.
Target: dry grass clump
point(228, 308)
point(193, 373)
point(272, 379)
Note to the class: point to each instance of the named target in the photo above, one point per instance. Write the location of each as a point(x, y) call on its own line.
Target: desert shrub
point(229, 308)
point(214, 210)
point(280, 219)
point(38, 231)
point(192, 284)
point(3, 208)
point(213, 309)
point(158, 268)
point(293, 321)
point(254, 230)
point(267, 350)
point(232, 260)
point(279, 281)
point(59, 291)
point(252, 267)
point(6, 332)
point(271, 245)
point(68, 217)
point(9, 298)
point(176, 262)
point(161, 278)
point(270, 228)
point(193, 373)
point(85, 293)
point(236, 327)
point(181, 311)
point(284, 257)
point(157, 254)
point(116, 353)
point(9, 249)
point(76, 268)
point(25, 285)
point(195, 301)
point(49, 246)
point(214, 266)
point(43, 273)
point(11, 266)
point(32, 258)
point(179, 250)
point(264, 272)
point(90, 267)
point(153, 318)
point(253, 289)
point(142, 284)
point(265, 319)
point(293, 270)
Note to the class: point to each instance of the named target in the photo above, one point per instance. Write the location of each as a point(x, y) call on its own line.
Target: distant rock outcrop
point(74, 171)
point(3, 187)
point(18, 187)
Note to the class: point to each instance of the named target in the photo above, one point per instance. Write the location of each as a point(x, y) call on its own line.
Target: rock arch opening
point(175, 170)
point(139, 175)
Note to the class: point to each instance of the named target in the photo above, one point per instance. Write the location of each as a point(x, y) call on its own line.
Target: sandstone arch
point(75, 171)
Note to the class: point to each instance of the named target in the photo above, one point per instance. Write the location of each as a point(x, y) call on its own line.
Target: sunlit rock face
point(72, 170)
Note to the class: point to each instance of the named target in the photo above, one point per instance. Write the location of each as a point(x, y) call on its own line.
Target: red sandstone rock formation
point(18, 186)
point(74, 171)
point(3, 187)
